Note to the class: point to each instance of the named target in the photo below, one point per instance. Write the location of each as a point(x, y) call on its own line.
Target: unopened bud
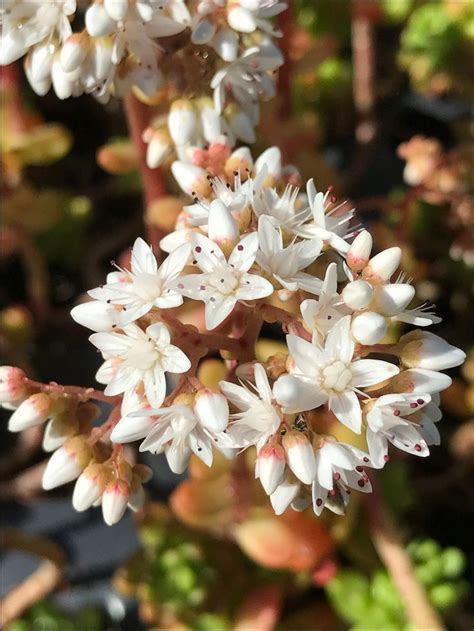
point(240, 124)
point(114, 501)
point(357, 294)
point(271, 160)
point(182, 121)
point(89, 486)
point(240, 161)
point(117, 9)
point(222, 227)
point(67, 463)
point(191, 178)
point(359, 252)
point(368, 328)
point(159, 147)
point(12, 385)
point(270, 466)
point(212, 410)
point(74, 51)
point(420, 381)
point(421, 349)
point(284, 494)
point(300, 456)
point(382, 265)
point(33, 411)
point(98, 21)
point(392, 299)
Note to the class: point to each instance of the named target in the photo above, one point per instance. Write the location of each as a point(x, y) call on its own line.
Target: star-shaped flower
point(285, 265)
point(330, 375)
point(146, 285)
point(143, 358)
point(223, 282)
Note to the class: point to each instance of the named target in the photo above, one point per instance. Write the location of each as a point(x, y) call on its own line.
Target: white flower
point(329, 374)
point(224, 282)
point(144, 358)
point(259, 417)
point(339, 467)
point(25, 24)
point(180, 431)
point(285, 265)
point(387, 422)
point(284, 210)
point(326, 224)
point(34, 410)
point(146, 285)
point(421, 349)
point(321, 315)
point(247, 78)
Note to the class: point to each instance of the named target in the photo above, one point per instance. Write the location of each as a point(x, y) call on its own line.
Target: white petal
point(339, 343)
point(243, 255)
point(253, 287)
point(346, 408)
point(307, 356)
point(218, 309)
point(297, 394)
point(286, 492)
point(367, 372)
point(206, 252)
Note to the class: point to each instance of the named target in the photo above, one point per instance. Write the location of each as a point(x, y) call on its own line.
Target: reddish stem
point(364, 72)
point(154, 183)
point(74, 391)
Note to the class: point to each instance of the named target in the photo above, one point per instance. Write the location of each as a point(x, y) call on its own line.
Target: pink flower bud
point(357, 294)
point(89, 487)
point(191, 178)
point(382, 266)
point(12, 385)
point(300, 456)
point(33, 411)
point(73, 52)
point(114, 501)
point(212, 410)
point(368, 328)
point(270, 466)
point(359, 252)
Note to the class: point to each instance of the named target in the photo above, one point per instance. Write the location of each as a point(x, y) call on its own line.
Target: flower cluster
point(220, 51)
point(251, 249)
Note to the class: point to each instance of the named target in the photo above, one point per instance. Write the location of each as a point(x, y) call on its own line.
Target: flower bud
point(89, 486)
point(271, 159)
point(382, 265)
point(212, 410)
point(392, 299)
point(136, 498)
point(98, 21)
point(222, 227)
point(117, 9)
point(73, 52)
point(359, 252)
point(100, 60)
point(40, 61)
point(284, 494)
point(420, 349)
point(226, 45)
point(241, 19)
point(159, 147)
point(300, 456)
point(191, 178)
point(240, 124)
point(357, 294)
point(12, 385)
point(114, 501)
point(368, 328)
point(33, 411)
point(182, 121)
point(210, 121)
point(57, 431)
point(239, 161)
point(420, 381)
point(67, 463)
point(63, 82)
point(203, 32)
point(270, 466)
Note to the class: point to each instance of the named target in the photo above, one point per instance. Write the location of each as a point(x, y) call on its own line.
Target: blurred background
point(375, 100)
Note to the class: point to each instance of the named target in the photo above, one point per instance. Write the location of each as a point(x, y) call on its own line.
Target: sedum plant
point(255, 246)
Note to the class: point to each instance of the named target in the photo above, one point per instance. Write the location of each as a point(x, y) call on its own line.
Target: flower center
point(336, 376)
point(147, 287)
point(224, 280)
point(143, 354)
